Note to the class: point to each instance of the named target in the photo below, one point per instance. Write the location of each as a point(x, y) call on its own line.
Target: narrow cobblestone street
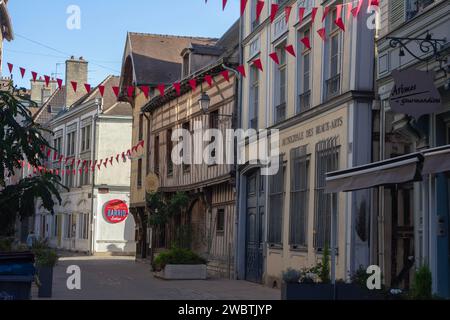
point(115, 278)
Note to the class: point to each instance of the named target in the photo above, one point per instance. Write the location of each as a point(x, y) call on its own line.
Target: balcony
point(304, 101)
point(333, 86)
point(280, 112)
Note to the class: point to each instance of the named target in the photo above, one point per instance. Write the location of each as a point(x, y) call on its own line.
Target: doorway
point(254, 237)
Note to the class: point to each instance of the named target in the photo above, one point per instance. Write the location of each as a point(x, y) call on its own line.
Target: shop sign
point(414, 93)
point(116, 211)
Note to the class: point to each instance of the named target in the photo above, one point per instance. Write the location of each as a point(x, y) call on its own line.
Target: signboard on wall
point(414, 93)
point(116, 211)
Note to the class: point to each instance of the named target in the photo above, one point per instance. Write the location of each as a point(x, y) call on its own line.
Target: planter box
point(348, 291)
point(16, 275)
point(45, 275)
point(183, 272)
point(306, 291)
point(319, 291)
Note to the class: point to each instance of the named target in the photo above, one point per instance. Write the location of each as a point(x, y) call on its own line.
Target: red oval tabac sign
point(116, 211)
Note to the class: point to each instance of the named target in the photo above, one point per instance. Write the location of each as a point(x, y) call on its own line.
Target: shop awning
point(436, 160)
point(388, 172)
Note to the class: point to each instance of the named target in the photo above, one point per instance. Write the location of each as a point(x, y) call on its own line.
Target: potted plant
point(46, 259)
point(179, 264)
point(309, 284)
point(422, 284)
point(357, 288)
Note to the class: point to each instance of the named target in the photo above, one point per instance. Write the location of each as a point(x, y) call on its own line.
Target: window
point(276, 200)
point(156, 155)
point(332, 84)
point(169, 147)
point(139, 174)
point(327, 160)
point(85, 175)
point(220, 220)
point(86, 138)
point(70, 150)
point(186, 65)
point(149, 132)
point(213, 124)
point(254, 98)
point(84, 226)
point(69, 227)
point(55, 226)
point(255, 21)
point(298, 236)
point(280, 84)
point(304, 63)
point(141, 127)
point(70, 181)
point(186, 159)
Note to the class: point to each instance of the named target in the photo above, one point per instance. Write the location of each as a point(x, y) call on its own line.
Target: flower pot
point(45, 275)
point(306, 291)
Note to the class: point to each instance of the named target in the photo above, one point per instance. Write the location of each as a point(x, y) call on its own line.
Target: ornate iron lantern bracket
point(426, 45)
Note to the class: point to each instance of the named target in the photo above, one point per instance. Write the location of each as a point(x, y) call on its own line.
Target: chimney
point(77, 71)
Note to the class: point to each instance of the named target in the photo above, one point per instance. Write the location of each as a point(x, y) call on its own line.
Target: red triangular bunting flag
point(355, 10)
point(141, 143)
point(273, 11)
point(226, 75)
point(87, 87)
point(47, 80)
point(34, 75)
point(22, 72)
point(161, 88)
point(102, 90)
point(241, 70)
point(74, 85)
point(134, 149)
point(55, 155)
point(193, 84)
point(322, 33)
point(59, 83)
point(116, 91)
point(287, 13)
point(340, 23)
point(117, 158)
point(313, 14)
point(49, 151)
point(306, 42)
point(325, 12)
point(145, 90)
point(259, 8)
point(10, 67)
point(301, 14)
point(209, 80)
point(224, 4)
point(130, 91)
point(258, 64)
point(374, 3)
point(274, 57)
point(177, 87)
point(290, 49)
point(60, 159)
point(129, 152)
point(243, 5)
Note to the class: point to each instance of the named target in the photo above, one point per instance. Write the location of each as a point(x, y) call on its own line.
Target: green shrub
point(176, 256)
point(324, 266)
point(44, 255)
point(421, 287)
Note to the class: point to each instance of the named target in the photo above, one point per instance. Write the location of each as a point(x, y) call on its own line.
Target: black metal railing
point(280, 112)
point(304, 101)
point(333, 86)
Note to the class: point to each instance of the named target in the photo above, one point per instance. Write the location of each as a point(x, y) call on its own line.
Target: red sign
point(116, 211)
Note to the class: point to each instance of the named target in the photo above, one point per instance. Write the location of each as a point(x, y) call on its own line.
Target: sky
point(43, 41)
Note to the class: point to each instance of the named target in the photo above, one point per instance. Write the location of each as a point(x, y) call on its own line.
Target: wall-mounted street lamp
point(205, 102)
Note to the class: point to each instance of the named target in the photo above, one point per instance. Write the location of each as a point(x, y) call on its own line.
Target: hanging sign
point(414, 93)
point(116, 211)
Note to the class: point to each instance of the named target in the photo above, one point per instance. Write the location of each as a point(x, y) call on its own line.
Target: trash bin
point(16, 275)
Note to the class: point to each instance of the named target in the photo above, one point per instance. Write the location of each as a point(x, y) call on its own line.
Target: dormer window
point(186, 65)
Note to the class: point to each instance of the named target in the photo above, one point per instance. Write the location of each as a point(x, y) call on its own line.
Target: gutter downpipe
point(99, 103)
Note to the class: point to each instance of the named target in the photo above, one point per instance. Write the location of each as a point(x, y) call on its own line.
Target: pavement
point(122, 278)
